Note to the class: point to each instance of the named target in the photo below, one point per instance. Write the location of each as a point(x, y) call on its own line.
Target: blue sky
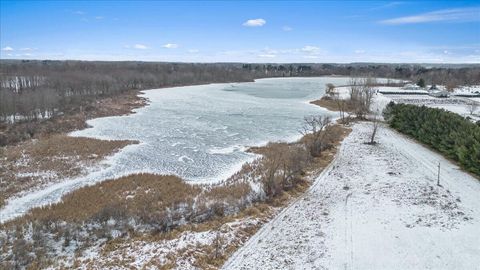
point(231, 31)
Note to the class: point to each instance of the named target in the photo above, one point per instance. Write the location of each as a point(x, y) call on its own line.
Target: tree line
point(32, 90)
point(452, 135)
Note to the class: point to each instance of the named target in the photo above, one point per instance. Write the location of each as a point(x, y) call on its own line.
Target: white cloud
point(311, 49)
point(255, 22)
point(79, 12)
point(136, 46)
point(287, 28)
point(388, 5)
point(99, 17)
point(446, 15)
point(267, 50)
point(26, 49)
point(8, 48)
point(193, 51)
point(267, 55)
point(170, 46)
point(359, 51)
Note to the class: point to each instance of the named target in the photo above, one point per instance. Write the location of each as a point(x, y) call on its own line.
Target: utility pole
point(438, 175)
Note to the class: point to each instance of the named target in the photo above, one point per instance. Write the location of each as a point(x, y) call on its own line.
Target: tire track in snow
point(348, 233)
point(366, 228)
point(265, 231)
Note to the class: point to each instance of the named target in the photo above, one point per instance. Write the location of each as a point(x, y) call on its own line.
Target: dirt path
point(375, 207)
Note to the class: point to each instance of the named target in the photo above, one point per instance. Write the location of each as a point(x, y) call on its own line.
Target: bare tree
point(273, 158)
point(361, 95)
point(368, 92)
point(294, 162)
point(315, 130)
point(330, 89)
point(342, 108)
point(354, 89)
point(450, 85)
point(282, 164)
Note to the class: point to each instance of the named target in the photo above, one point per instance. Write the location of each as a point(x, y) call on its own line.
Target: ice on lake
point(200, 132)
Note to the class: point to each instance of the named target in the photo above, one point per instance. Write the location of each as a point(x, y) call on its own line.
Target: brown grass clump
point(49, 159)
point(332, 104)
point(147, 197)
point(62, 145)
point(128, 195)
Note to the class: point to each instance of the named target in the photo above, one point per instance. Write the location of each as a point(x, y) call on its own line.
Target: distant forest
point(32, 90)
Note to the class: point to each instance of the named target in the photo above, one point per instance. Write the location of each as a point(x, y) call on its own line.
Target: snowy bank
point(377, 207)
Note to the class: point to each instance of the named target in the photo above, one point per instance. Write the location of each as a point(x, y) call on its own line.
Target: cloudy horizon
point(261, 32)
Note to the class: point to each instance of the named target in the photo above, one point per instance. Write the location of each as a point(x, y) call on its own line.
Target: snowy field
point(375, 207)
point(199, 133)
point(458, 105)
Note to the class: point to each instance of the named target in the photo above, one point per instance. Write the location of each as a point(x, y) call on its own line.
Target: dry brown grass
point(135, 195)
point(49, 159)
point(148, 197)
point(131, 194)
point(332, 105)
point(51, 152)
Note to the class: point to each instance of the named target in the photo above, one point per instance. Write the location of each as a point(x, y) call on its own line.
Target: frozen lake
point(200, 132)
point(196, 132)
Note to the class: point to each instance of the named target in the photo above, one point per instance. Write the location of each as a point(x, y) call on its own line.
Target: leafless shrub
point(342, 106)
point(315, 131)
point(282, 164)
point(329, 89)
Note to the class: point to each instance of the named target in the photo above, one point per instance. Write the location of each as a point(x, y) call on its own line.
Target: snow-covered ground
point(385, 94)
point(375, 207)
point(458, 105)
point(467, 90)
point(180, 252)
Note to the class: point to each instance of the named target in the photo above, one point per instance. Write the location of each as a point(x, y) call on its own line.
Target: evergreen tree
point(421, 83)
point(452, 135)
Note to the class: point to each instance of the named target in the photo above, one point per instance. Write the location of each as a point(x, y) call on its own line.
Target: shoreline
point(237, 200)
point(250, 218)
point(127, 104)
